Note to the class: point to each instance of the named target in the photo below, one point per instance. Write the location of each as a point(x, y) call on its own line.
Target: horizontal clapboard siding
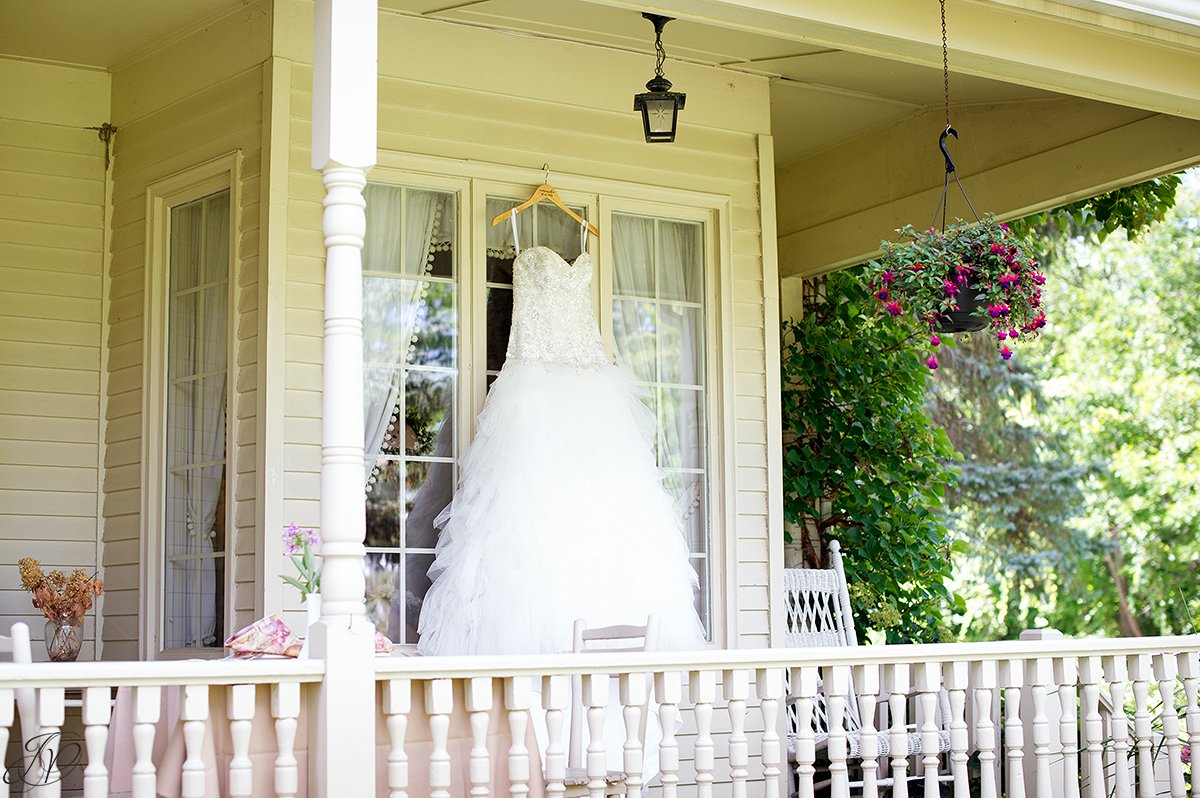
point(51, 295)
point(199, 99)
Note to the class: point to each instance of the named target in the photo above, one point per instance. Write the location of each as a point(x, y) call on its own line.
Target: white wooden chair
point(819, 615)
point(16, 646)
point(603, 638)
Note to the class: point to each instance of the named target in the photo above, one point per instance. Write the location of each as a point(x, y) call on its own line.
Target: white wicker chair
point(817, 601)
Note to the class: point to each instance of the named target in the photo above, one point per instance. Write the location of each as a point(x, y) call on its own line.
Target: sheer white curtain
point(658, 333)
point(198, 345)
point(401, 227)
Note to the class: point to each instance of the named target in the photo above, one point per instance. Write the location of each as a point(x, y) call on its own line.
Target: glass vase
point(64, 638)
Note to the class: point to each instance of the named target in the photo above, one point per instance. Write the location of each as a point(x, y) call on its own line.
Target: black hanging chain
point(942, 205)
point(945, 63)
point(662, 53)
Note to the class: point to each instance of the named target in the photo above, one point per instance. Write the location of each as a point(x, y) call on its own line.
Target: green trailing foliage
point(862, 462)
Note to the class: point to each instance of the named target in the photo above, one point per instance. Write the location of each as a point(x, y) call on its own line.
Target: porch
point(1036, 717)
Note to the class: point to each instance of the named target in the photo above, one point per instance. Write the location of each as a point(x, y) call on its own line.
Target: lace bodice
point(553, 320)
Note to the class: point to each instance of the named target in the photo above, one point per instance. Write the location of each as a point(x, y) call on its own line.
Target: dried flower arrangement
point(57, 595)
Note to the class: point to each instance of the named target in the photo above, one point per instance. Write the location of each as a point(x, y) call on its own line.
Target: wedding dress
point(560, 512)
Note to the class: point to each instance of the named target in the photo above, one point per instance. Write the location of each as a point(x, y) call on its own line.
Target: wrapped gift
point(266, 636)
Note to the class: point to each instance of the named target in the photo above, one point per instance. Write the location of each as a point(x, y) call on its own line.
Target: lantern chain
point(660, 50)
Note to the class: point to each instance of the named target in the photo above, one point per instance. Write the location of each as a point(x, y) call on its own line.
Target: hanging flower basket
point(966, 278)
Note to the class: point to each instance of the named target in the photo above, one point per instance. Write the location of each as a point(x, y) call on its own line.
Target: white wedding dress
point(560, 511)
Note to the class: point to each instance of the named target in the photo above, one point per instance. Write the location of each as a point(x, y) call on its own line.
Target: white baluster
point(633, 696)
point(1116, 672)
point(703, 691)
point(769, 685)
point(1165, 672)
point(1066, 673)
point(737, 690)
point(1039, 675)
point(804, 690)
point(241, 722)
point(929, 684)
point(518, 697)
point(1093, 726)
point(836, 683)
point(439, 703)
point(285, 709)
point(479, 705)
point(984, 679)
point(1189, 671)
point(51, 715)
point(956, 675)
point(97, 711)
point(866, 685)
point(194, 714)
point(594, 690)
point(146, 708)
point(556, 693)
point(7, 716)
point(1014, 732)
point(668, 692)
point(397, 703)
point(896, 682)
point(1140, 672)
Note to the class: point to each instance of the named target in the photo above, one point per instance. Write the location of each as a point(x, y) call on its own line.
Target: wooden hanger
point(545, 192)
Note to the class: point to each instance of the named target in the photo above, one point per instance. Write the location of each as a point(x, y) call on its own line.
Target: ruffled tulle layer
point(560, 514)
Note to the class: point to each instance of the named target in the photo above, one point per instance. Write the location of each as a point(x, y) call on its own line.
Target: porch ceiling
point(820, 95)
point(98, 34)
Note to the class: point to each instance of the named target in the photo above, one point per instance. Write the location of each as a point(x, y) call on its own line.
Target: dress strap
point(516, 241)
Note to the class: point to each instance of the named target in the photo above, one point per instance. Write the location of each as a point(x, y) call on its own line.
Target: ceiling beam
point(1036, 43)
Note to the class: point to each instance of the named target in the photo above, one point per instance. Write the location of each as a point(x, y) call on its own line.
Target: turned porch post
point(343, 150)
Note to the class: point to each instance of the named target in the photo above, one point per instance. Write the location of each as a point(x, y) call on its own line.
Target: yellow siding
point(52, 188)
point(175, 108)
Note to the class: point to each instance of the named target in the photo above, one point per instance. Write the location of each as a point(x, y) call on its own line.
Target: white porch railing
point(1076, 718)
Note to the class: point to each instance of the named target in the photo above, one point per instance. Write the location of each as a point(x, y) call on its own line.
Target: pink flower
point(888, 276)
point(1185, 754)
point(295, 539)
point(1013, 333)
point(949, 288)
point(934, 340)
point(931, 362)
point(1006, 353)
point(894, 308)
point(1001, 335)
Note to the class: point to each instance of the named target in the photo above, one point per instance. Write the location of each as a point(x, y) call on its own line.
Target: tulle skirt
point(560, 514)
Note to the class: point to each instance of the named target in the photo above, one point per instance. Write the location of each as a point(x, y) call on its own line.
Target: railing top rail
point(162, 672)
point(724, 659)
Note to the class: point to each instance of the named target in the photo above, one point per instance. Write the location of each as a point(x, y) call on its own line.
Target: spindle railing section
point(1075, 718)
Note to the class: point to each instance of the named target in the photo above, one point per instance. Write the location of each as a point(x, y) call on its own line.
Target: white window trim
point(602, 197)
point(162, 195)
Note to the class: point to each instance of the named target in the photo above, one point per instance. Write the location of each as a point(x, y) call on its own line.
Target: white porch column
point(344, 117)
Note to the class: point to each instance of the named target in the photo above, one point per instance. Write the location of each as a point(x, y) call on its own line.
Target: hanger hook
point(949, 131)
point(545, 173)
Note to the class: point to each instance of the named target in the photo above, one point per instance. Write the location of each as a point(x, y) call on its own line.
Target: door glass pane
point(658, 333)
point(411, 336)
point(194, 485)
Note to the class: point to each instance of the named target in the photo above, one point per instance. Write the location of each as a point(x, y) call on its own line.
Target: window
point(658, 332)
point(194, 527)
point(436, 327)
point(411, 381)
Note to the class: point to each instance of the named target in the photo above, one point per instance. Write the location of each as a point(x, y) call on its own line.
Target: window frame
point(602, 197)
point(219, 174)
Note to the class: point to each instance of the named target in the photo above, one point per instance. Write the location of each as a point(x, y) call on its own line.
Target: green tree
point(862, 462)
